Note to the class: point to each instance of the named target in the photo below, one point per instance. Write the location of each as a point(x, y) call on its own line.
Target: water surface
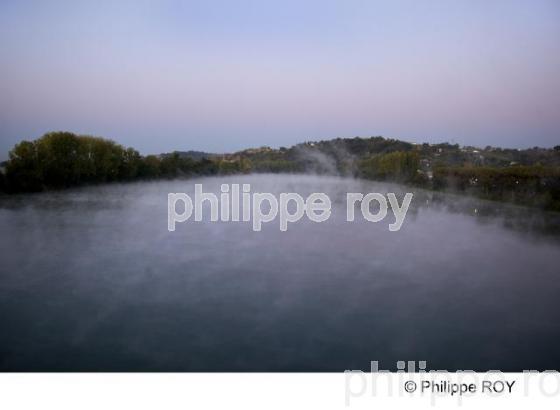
point(91, 280)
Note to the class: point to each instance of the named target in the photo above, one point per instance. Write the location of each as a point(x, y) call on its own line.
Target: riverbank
point(61, 160)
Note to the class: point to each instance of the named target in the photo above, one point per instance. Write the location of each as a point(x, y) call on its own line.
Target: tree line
point(63, 159)
point(533, 185)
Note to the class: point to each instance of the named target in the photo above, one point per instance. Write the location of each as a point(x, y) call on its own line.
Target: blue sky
point(226, 75)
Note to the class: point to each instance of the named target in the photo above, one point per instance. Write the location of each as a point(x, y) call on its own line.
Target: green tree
point(395, 166)
point(23, 171)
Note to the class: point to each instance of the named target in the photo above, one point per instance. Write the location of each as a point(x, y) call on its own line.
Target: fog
point(91, 280)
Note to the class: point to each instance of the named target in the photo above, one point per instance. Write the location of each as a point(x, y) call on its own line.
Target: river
point(92, 280)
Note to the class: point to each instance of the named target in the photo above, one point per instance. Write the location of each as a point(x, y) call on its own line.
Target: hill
point(530, 177)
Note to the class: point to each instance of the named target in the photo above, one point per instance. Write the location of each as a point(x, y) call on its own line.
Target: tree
point(58, 154)
point(63, 159)
point(149, 167)
point(395, 166)
point(23, 172)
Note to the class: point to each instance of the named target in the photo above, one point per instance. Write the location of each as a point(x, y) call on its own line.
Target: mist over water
point(91, 280)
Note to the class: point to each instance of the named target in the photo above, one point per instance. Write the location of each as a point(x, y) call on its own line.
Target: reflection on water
point(92, 280)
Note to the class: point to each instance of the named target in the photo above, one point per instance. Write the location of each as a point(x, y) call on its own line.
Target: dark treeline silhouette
point(534, 185)
point(63, 159)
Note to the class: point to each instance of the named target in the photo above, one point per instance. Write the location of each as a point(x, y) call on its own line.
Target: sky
point(221, 75)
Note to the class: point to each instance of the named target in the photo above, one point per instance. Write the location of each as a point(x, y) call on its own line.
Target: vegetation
point(62, 159)
point(396, 166)
point(534, 185)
